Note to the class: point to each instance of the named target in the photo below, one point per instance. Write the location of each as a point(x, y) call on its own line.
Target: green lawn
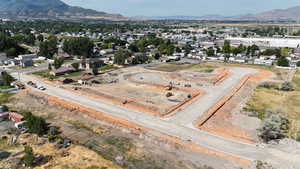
point(106, 67)
point(46, 74)
point(5, 87)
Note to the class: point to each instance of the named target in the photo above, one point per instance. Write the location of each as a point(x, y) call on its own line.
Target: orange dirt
point(221, 74)
point(137, 105)
point(217, 120)
point(137, 129)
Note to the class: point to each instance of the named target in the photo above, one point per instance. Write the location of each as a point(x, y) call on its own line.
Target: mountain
point(49, 9)
point(292, 13)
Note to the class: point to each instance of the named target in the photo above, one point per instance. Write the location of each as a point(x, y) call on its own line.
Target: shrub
point(35, 124)
point(274, 127)
point(269, 85)
point(284, 62)
point(287, 86)
point(169, 94)
point(28, 158)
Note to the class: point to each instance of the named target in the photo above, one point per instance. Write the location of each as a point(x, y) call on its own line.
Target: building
point(16, 117)
point(62, 71)
point(266, 42)
point(26, 60)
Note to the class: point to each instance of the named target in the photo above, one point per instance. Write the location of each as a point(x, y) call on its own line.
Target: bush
point(169, 94)
point(274, 127)
point(28, 158)
point(287, 86)
point(284, 62)
point(269, 85)
point(35, 124)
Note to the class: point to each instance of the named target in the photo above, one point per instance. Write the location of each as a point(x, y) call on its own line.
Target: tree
point(75, 66)
point(40, 38)
point(282, 61)
point(35, 124)
point(226, 47)
point(95, 70)
point(121, 56)
point(11, 52)
point(28, 158)
point(210, 51)
point(49, 67)
point(49, 47)
point(140, 59)
point(79, 46)
point(298, 64)
point(58, 62)
point(7, 79)
point(30, 39)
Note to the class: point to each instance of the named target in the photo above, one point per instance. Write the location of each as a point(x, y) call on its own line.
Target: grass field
point(265, 99)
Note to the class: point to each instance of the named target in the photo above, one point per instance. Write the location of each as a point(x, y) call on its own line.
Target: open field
point(265, 99)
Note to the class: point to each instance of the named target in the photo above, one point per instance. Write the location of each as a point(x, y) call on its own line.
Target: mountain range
point(49, 9)
point(57, 9)
point(290, 14)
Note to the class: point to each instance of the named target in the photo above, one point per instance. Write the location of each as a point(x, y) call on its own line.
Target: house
point(15, 117)
point(90, 63)
point(106, 51)
point(62, 71)
point(26, 60)
point(263, 62)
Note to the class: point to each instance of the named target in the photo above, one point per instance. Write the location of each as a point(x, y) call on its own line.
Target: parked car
point(41, 88)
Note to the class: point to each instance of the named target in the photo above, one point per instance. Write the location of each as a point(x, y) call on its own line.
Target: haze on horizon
point(183, 7)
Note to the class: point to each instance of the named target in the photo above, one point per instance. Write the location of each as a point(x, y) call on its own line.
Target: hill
point(49, 9)
point(292, 13)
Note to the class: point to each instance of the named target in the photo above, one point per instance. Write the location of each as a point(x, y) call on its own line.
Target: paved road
point(178, 125)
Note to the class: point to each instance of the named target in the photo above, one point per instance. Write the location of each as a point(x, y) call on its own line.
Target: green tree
point(58, 62)
point(49, 67)
point(210, 51)
point(75, 66)
point(49, 47)
point(30, 39)
point(7, 79)
point(226, 47)
point(121, 56)
point(140, 59)
point(79, 46)
point(11, 52)
point(40, 38)
point(35, 124)
point(95, 70)
point(283, 61)
point(28, 158)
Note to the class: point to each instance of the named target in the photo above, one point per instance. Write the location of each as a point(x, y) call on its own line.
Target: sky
point(183, 7)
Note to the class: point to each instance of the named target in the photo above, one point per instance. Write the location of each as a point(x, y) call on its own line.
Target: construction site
point(144, 89)
point(197, 107)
